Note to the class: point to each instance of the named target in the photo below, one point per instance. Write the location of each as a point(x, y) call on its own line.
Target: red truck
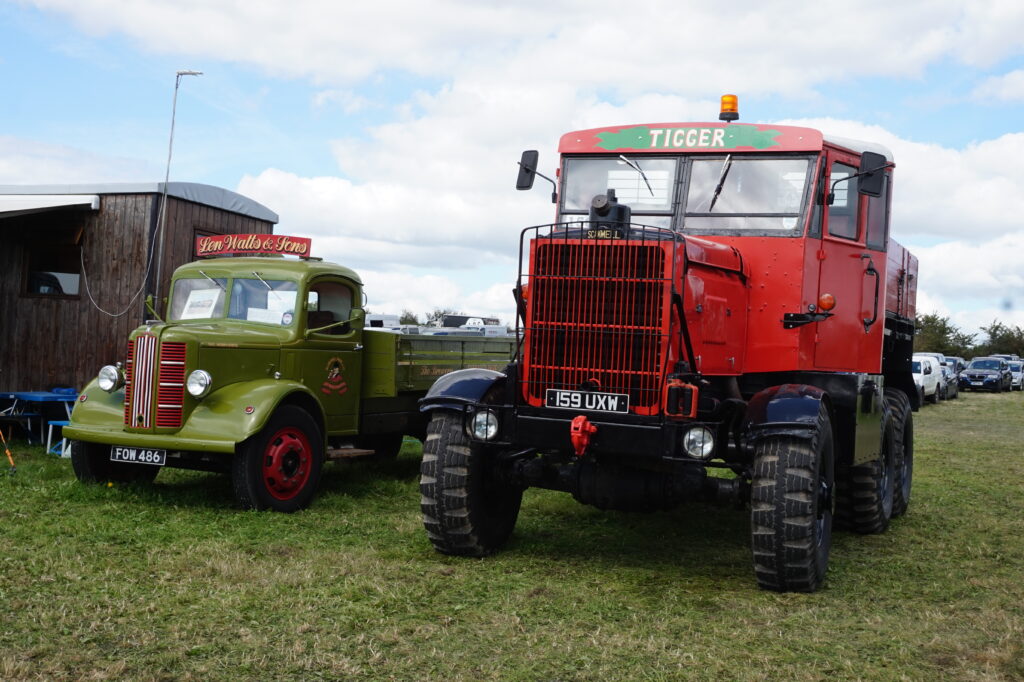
point(717, 314)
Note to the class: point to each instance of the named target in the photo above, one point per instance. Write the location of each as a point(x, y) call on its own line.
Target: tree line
point(936, 334)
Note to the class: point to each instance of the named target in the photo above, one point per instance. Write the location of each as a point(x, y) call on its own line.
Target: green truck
point(264, 369)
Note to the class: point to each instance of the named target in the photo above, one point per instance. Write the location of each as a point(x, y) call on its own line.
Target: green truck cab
point(264, 369)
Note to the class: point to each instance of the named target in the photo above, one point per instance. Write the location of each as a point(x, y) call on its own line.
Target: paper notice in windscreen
point(200, 304)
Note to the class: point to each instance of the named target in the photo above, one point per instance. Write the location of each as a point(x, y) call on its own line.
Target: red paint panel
point(171, 385)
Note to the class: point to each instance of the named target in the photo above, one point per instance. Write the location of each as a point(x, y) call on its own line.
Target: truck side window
point(329, 302)
point(842, 214)
point(878, 219)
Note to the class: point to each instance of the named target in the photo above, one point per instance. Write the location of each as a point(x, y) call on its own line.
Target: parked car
point(987, 374)
point(927, 376)
point(1017, 375)
point(949, 386)
point(957, 364)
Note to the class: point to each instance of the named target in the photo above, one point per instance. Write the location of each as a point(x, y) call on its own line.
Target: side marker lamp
point(826, 302)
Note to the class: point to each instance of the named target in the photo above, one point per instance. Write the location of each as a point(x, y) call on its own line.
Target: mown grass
point(170, 581)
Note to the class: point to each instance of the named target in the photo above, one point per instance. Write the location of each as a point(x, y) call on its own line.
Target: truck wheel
point(279, 467)
point(791, 509)
point(91, 464)
point(903, 454)
point(865, 492)
point(467, 510)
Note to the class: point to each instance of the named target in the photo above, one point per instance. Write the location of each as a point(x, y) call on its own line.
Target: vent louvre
point(144, 379)
point(170, 392)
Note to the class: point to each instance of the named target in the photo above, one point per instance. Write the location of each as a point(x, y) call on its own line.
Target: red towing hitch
point(580, 432)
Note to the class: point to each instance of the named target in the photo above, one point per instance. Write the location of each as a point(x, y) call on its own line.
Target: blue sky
point(389, 133)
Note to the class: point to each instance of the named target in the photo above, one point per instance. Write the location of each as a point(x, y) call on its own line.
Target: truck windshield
point(271, 301)
point(746, 194)
point(199, 298)
point(648, 193)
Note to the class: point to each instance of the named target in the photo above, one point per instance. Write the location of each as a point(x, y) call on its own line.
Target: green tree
point(936, 334)
point(408, 317)
point(1001, 338)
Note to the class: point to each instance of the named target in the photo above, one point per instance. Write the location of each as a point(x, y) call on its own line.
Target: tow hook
point(580, 432)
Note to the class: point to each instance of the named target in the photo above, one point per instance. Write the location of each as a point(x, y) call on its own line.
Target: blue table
point(23, 398)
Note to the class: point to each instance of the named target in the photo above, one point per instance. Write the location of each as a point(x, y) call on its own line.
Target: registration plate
point(977, 383)
point(586, 400)
point(138, 455)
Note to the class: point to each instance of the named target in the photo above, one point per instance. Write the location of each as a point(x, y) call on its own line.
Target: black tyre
point(279, 468)
point(91, 464)
point(934, 399)
point(467, 509)
point(791, 509)
point(865, 492)
point(903, 455)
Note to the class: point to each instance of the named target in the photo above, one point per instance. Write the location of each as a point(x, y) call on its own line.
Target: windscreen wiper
point(721, 181)
point(635, 166)
point(213, 280)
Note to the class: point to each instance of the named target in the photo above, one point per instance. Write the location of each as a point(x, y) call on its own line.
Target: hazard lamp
point(730, 108)
point(826, 302)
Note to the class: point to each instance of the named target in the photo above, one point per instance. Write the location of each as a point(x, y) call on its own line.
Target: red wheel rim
point(287, 463)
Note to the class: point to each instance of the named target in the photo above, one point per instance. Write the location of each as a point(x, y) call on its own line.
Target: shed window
point(53, 270)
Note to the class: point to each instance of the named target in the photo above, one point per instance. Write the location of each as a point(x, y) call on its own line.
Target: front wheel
point(279, 468)
point(791, 509)
point(467, 509)
point(91, 464)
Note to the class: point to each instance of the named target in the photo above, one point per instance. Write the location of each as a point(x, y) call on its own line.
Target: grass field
point(170, 581)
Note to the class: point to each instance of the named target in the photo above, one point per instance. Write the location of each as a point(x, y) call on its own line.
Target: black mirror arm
point(554, 185)
point(832, 190)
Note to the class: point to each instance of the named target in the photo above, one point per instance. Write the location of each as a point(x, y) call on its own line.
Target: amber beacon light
point(730, 109)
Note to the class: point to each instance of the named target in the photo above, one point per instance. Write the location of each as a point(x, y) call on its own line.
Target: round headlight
point(198, 383)
point(110, 378)
point(484, 425)
point(699, 442)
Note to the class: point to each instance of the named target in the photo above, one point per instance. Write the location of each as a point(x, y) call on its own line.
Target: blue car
point(986, 374)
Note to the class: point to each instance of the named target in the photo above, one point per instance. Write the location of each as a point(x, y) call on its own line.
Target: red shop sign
point(251, 244)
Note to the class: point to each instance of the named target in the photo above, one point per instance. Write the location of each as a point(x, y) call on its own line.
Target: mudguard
point(456, 390)
point(789, 409)
point(218, 422)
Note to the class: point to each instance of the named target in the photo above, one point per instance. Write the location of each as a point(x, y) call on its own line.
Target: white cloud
point(1006, 88)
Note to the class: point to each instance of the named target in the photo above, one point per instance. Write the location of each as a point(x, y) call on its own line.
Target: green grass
point(170, 581)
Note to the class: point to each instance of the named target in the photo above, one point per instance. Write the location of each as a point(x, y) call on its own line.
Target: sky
point(389, 132)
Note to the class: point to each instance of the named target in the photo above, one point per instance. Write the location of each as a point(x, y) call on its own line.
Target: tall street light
point(162, 227)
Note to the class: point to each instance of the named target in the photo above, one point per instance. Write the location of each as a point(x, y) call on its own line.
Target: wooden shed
point(77, 262)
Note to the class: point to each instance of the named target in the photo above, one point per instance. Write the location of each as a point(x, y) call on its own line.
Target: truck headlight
point(110, 378)
point(198, 383)
point(484, 425)
point(699, 442)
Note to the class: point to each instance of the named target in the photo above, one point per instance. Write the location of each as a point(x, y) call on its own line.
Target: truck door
point(331, 363)
point(848, 272)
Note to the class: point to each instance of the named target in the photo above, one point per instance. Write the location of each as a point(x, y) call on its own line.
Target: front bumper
point(92, 433)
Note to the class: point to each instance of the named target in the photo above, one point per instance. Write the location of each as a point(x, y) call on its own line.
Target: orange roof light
point(730, 110)
point(826, 302)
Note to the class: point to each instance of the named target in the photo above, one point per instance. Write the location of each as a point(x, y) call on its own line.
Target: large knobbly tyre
point(865, 492)
point(791, 509)
point(91, 464)
point(467, 510)
point(279, 468)
point(903, 455)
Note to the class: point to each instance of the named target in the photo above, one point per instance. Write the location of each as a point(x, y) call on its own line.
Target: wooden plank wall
point(49, 341)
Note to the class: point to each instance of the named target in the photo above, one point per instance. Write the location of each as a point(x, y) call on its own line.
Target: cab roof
point(267, 267)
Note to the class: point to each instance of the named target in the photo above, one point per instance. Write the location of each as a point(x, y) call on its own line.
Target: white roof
point(20, 204)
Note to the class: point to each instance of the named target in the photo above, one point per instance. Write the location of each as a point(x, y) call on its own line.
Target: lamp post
point(162, 226)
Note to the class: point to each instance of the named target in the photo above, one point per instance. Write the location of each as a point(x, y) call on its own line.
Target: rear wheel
point(279, 468)
point(903, 454)
point(791, 509)
point(467, 509)
point(865, 492)
point(91, 464)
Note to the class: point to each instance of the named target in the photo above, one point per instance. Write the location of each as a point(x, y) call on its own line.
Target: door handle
point(870, 270)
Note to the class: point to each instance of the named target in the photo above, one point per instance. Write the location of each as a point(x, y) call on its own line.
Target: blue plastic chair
point(63, 447)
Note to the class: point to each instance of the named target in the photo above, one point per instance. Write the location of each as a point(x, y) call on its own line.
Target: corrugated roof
point(208, 195)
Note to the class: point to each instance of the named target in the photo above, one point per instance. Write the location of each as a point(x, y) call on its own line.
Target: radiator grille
point(144, 378)
point(597, 317)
